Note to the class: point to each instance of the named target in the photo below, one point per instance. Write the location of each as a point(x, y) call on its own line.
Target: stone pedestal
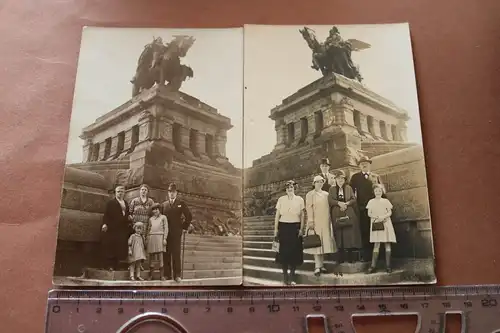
point(329, 105)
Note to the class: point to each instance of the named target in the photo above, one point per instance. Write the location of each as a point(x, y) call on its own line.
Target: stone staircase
point(259, 267)
point(208, 260)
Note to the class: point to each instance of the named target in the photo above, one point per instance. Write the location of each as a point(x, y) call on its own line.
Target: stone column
point(402, 130)
point(376, 128)
point(201, 145)
point(220, 144)
point(114, 147)
point(364, 125)
point(298, 131)
point(186, 150)
point(87, 151)
point(311, 121)
point(388, 130)
point(102, 150)
point(145, 126)
point(280, 129)
point(127, 144)
point(165, 131)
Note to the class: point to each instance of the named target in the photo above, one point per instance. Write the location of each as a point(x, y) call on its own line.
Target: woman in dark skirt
point(345, 219)
point(288, 226)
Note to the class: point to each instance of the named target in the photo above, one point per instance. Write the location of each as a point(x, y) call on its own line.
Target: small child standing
point(381, 228)
point(156, 239)
point(136, 252)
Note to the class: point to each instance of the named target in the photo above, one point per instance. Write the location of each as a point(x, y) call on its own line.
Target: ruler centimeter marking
point(271, 310)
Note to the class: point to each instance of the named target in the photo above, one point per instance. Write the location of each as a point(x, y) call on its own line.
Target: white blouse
point(290, 209)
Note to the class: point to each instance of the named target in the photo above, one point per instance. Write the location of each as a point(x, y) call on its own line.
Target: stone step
point(101, 274)
point(266, 253)
point(220, 253)
point(257, 223)
point(257, 244)
point(258, 238)
point(308, 278)
point(258, 227)
point(221, 259)
point(203, 259)
point(261, 218)
point(308, 265)
point(212, 247)
point(213, 239)
point(77, 281)
point(258, 232)
point(188, 266)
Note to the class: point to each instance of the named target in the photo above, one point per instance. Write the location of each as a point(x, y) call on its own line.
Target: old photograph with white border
point(152, 188)
point(335, 185)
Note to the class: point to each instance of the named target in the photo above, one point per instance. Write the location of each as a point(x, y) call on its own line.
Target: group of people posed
point(142, 231)
point(352, 220)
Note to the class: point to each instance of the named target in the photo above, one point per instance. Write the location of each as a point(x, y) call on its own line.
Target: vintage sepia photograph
point(335, 185)
point(152, 188)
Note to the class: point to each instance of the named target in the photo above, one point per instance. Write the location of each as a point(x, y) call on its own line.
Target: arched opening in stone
point(193, 141)
point(209, 145)
point(176, 136)
point(291, 134)
point(383, 130)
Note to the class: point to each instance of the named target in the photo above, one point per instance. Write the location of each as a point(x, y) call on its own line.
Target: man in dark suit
point(115, 230)
point(362, 184)
point(329, 178)
point(174, 209)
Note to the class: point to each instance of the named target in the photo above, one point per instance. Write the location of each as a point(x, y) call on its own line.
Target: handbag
point(276, 246)
point(343, 221)
point(378, 226)
point(311, 241)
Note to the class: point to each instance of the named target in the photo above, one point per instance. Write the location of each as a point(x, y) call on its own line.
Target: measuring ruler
point(268, 310)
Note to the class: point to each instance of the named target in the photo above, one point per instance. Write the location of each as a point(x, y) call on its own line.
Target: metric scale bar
point(268, 310)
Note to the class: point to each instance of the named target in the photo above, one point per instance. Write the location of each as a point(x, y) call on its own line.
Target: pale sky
point(108, 60)
point(277, 64)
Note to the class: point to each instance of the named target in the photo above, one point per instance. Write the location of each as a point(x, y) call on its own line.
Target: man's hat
point(325, 161)
point(364, 159)
point(172, 187)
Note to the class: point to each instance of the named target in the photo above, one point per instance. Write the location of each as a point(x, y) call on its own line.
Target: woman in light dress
point(156, 239)
point(288, 226)
point(380, 211)
point(318, 221)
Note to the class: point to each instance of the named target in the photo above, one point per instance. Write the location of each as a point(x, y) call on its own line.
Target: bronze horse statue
point(334, 55)
point(160, 63)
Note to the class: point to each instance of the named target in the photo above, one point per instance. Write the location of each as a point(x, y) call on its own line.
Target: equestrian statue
point(161, 62)
point(334, 55)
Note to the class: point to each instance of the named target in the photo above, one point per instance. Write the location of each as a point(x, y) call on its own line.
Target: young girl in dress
point(136, 252)
point(381, 228)
point(156, 239)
